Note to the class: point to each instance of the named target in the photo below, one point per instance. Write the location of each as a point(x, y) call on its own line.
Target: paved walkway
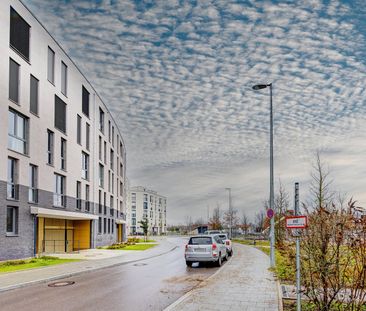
point(33, 276)
point(243, 283)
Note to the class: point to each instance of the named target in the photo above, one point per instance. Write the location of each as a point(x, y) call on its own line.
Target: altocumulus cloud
point(178, 74)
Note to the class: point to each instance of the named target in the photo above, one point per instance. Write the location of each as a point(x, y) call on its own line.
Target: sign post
point(296, 223)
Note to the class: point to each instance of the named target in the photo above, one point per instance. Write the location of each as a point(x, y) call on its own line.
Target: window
point(120, 149)
point(104, 225)
point(19, 34)
point(87, 203)
point(78, 195)
point(100, 148)
point(111, 202)
point(109, 225)
point(33, 184)
point(12, 183)
point(59, 198)
point(112, 226)
point(105, 153)
point(85, 101)
point(145, 205)
point(17, 132)
point(100, 201)
point(51, 66)
point(117, 144)
point(112, 159)
point(112, 182)
point(12, 220)
point(33, 95)
point(63, 154)
point(109, 131)
point(121, 169)
point(112, 135)
point(99, 225)
point(101, 175)
point(78, 130)
point(60, 114)
point(121, 189)
point(63, 78)
point(84, 165)
point(105, 203)
point(49, 147)
point(101, 120)
point(87, 136)
point(14, 81)
point(133, 197)
point(109, 180)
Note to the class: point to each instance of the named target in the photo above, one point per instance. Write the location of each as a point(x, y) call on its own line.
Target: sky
point(178, 76)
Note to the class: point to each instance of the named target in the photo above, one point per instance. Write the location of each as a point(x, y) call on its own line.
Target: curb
point(88, 270)
point(190, 292)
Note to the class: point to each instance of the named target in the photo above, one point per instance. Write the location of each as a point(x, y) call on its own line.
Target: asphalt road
point(151, 284)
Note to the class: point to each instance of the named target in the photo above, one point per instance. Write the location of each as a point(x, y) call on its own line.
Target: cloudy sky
point(178, 75)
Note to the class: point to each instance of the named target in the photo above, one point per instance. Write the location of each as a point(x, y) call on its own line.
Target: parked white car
point(228, 244)
point(205, 248)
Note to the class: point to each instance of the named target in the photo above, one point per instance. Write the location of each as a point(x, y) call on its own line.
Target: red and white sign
point(296, 222)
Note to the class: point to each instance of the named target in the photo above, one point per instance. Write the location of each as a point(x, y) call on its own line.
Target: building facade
point(146, 204)
point(62, 156)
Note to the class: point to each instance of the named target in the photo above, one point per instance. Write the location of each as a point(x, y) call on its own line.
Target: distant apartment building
point(62, 156)
point(146, 204)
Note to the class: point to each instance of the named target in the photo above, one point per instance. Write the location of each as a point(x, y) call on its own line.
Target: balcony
point(12, 191)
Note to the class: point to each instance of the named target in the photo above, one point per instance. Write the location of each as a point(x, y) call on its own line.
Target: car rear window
point(223, 236)
point(200, 241)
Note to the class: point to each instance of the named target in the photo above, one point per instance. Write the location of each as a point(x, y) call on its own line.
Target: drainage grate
point(61, 284)
point(140, 264)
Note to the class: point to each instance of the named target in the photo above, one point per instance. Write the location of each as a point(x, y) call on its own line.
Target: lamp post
point(230, 214)
point(271, 188)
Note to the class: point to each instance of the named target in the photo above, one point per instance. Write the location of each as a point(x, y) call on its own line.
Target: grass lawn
point(134, 247)
point(143, 241)
point(17, 265)
point(251, 242)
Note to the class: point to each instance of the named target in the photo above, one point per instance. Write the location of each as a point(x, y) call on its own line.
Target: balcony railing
point(87, 206)
point(12, 191)
point(59, 200)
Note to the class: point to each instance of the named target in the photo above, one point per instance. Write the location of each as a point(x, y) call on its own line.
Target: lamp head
point(259, 86)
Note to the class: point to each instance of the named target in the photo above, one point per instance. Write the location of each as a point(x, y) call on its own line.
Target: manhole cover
point(61, 284)
point(140, 264)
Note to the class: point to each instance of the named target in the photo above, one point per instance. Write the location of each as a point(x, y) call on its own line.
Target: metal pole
point(271, 193)
point(298, 280)
point(230, 213)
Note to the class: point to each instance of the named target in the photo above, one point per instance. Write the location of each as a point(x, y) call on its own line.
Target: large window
point(14, 81)
point(101, 120)
point(105, 153)
point(33, 184)
point(60, 114)
point(12, 183)
point(100, 225)
point(101, 175)
point(78, 130)
point(78, 195)
point(112, 135)
point(33, 95)
point(85, 105)
point(112, 159)
point(50, 147)
point(12, 220)
point(109, 131)
point(63, 154)
point(84, 165)
point(100, 148)
point(100, 209)
point(51, 66)
point(104, 225)
point(87, 136)
point(63, 78)
point(19, 34)
point(17, 132)
point(87, 202)
point(59, 197)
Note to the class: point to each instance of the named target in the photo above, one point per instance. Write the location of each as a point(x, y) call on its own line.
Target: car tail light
point(227, 242)
point(214, 246)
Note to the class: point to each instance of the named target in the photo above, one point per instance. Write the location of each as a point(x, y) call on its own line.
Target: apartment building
point(62, 156)
point(146, 204)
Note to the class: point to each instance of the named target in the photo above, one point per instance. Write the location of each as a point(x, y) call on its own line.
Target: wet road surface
point(151, 284)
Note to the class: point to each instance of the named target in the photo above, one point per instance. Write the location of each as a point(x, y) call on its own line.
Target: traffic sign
point(270, 213)
point(296, 222)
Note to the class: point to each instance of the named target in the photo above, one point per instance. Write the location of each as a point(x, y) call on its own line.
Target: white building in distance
point(142, 204)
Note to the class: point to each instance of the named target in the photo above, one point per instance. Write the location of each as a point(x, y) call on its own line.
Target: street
point(151, 284)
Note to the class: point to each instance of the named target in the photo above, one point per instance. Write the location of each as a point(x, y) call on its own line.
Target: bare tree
point(281, 206)
point(215, 221)
point(188, 223)
point(260, 218)
point(244, 223)
point(231, 219)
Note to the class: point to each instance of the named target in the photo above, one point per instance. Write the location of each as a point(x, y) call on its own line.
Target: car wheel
point(188, 263)
point(226, 256)
point(219, 261)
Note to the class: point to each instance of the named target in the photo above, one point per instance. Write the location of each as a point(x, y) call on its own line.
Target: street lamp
point(230, 213)
point(271, 192)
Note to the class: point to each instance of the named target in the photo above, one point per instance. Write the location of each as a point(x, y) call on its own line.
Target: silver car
point(205, 248)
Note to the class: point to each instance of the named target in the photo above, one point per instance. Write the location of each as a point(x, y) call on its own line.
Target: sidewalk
point(18, 279)
point(243, 283)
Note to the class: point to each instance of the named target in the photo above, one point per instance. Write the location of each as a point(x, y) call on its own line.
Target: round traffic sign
point(270, 213)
